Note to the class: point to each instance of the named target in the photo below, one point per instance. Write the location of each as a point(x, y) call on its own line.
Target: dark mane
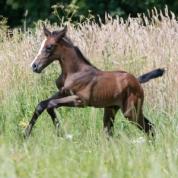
point(79, 53)
point(69, 42)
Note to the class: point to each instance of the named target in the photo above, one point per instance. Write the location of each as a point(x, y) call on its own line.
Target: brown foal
point(82, 84)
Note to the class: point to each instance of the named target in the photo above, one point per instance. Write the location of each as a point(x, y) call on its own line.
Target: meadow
point(137, 45)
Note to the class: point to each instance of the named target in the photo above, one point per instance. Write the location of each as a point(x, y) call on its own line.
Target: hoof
point(27, 131)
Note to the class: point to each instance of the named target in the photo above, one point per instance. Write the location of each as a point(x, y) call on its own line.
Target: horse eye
point(49, 48)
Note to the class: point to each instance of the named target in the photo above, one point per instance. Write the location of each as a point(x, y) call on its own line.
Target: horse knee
point(51, 105)
point(131, 116)
point(41, 107)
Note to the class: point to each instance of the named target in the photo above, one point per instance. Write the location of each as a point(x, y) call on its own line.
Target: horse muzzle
point(36, 68)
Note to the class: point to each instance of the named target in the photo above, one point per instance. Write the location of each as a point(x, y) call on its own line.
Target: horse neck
point(71, 62)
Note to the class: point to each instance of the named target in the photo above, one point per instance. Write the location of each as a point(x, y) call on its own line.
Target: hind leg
point(132, 110)
point(145, 125)
point(108, 119)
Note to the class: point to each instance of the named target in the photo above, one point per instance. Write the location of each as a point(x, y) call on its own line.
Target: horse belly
point(104, 102)
point(106, 90)
point(105, 96)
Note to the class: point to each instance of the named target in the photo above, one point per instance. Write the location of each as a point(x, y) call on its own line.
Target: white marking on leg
point(39, 52)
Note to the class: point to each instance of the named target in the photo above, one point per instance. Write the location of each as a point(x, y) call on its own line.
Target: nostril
point(34, 66)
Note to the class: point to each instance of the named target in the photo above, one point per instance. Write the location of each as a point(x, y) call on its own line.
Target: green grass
point(84, 151)
point(89, 153)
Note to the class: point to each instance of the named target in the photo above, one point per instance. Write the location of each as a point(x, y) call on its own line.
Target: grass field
point(84, 151)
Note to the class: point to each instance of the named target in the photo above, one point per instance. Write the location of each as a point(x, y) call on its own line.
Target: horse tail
point(151, 75)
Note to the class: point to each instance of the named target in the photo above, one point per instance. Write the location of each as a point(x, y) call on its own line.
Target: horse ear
point(46, 31)
point(62, 33)
point(65, 29)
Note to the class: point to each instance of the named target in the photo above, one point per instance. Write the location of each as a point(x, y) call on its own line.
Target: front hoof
point(27, 132)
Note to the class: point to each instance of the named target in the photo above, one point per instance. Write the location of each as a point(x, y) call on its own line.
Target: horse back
point(112, 88)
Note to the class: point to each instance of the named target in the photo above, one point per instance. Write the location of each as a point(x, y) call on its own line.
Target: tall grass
point(137, 46)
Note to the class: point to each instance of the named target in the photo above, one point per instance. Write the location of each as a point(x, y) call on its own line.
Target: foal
point(82, 84)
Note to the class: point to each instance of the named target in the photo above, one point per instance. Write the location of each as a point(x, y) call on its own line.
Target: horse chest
point(60, 81)
point(78, 87)
point(68, 84)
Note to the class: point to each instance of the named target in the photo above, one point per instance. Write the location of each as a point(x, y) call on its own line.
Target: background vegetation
point(18, 11)
point(137, 45)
